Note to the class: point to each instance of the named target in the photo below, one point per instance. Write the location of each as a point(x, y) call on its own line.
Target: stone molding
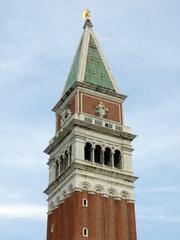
point(83, 124)
point(91, 168)
point(93, 87)
point(119, 196)
point(75, 178)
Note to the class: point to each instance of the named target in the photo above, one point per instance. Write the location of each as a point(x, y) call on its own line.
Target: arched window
point(87, 151)
point(57, 169)
point(117, 159)
point(107, 156)
point(97, 154)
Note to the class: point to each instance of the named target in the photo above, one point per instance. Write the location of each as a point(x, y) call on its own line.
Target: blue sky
point(38, 40)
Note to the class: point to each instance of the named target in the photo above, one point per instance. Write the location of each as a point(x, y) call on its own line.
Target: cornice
point(91, 168)
point(76, 122)
point(88, 86)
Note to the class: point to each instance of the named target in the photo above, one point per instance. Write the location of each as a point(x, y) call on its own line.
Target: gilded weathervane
point(86, 14)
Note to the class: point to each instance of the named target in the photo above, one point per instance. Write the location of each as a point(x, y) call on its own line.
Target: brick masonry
point(71, 106)
point(89, 104)
point(105, 218)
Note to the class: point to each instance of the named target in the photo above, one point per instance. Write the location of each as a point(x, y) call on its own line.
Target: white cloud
point(23, 211)
point(166, 189)
point(158, 213)
point(162, 218)
point(18, 194)
point(158, 133)
point(27, 146)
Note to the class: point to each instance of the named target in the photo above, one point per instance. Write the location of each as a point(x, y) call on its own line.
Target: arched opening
point(57, 169)
point(107, 156)
point(97, 154)
point(117, 159)
point(70, 154)
point(65, 159)
point(87, 151)
point(61, 163)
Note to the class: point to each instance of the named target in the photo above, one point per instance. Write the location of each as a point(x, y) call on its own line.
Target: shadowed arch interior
point(107, 156)
point(97, 154)
point(117, 159)
point(57, 168)
point(87, 151)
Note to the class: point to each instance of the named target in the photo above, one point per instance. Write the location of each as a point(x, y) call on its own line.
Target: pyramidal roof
point(89, 64)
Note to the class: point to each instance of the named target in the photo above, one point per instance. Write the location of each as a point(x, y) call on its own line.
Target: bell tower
point(90, 191)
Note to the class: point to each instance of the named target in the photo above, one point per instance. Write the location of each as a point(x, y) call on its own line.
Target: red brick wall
point(89, 104)
point(71, 105)
point(58, 122)
point(105, 218)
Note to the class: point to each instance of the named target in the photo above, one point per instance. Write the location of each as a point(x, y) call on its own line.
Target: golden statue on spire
point(86, 14)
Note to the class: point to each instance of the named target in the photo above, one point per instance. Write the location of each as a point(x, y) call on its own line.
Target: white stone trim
point(81, 96)
point(71, 67)
point(83, 57)
point(91, 92)
point(91, 183)
point(85, 202)
point(101, 99)
point(100, 94)
point(78, 101)
point(77, 141)
point(83, 232)
point(73, 93)
point(83, 54)
point(104, 61)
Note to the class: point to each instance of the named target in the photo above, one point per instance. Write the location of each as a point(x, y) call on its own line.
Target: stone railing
point(96, 121)
point(104, 123)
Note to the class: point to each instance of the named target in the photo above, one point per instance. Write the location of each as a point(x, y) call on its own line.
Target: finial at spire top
point(87, 16)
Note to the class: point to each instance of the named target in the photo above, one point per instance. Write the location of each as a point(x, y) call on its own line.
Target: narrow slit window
point(52, 227)
point(85, 232)
point(85, 202)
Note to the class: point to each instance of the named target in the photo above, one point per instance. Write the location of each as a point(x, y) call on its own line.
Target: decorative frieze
point(101, 110)
point(117, 194)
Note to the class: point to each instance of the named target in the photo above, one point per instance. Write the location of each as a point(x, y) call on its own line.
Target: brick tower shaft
point(90, 191)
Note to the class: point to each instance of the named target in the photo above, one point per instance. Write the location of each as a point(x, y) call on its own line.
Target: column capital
point(113, 151)
point(103, 148)
point(93, 145)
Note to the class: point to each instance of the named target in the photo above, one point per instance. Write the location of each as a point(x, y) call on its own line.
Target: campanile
point(90, 191)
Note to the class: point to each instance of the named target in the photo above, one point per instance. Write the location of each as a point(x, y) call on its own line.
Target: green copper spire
point(89, 65)
point(72, 78)
point(96, 72)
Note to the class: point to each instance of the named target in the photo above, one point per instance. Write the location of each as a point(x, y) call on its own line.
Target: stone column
point(126, 159)
point(59, 171)
point(92, 153)
point(70, 154)
point(68, 158)
point(62, 165)
point(112, 158)
point(78, 150)
point(102, 155)
point(52, 170)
